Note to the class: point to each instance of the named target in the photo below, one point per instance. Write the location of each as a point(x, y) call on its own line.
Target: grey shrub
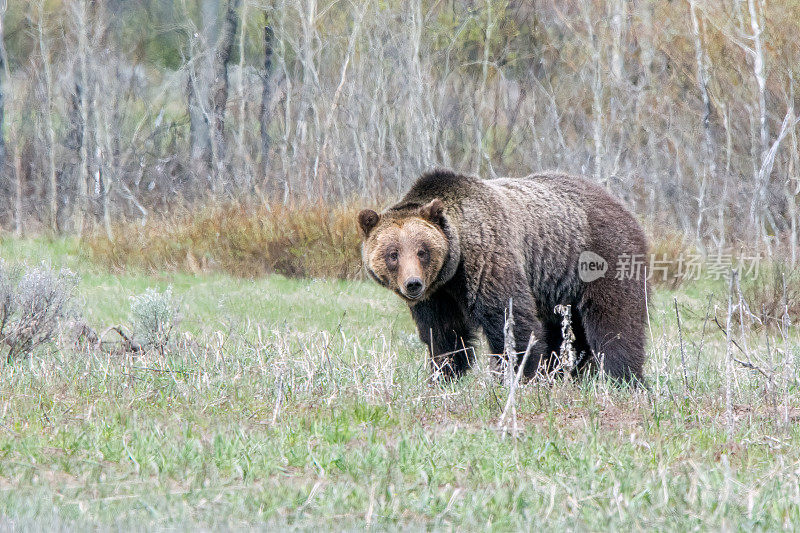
point(34, 302)
point(154, 315)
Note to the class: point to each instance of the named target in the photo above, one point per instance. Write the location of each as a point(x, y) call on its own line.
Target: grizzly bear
point(457, 248)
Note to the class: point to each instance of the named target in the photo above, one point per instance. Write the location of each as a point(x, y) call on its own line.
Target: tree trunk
point(198, 125)
point(18, 193)
point(72, 171)
point(244, 175)
point(102, 185)
point(222, 56)
point(198, 83)
point(81, 90)
point(266, 97)
point(48, 114)
point(709, 159)
point(597, 101)
point(4, 78)
point(618, 18)
point(758, 205)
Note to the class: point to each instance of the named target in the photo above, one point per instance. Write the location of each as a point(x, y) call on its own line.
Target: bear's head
point(405, 250)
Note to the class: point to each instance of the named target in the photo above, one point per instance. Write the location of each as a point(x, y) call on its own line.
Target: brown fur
point(517, 239)
point(404, 248)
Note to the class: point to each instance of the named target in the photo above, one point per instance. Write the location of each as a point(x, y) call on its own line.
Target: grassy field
point(305, 404)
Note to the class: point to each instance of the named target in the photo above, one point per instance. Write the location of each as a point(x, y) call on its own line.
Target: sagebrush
point(154, 316)
point(34, 302)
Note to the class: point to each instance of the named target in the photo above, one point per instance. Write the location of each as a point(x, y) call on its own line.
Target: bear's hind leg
point(583, 352)
point(543, 358)
point(553, 342)
point(615, 334)
point(444, 329)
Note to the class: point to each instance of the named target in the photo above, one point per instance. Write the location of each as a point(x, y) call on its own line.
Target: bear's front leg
point(444, 329)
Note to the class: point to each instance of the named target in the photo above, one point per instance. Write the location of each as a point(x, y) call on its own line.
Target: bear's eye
point(393, 255)
point(422, 253)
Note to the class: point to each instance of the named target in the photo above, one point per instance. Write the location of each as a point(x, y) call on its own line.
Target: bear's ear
point(367, 219)
point(433, 211)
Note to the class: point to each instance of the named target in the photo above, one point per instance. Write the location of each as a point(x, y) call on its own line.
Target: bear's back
point(452, 188)
point(553, 205)
point(446, 185)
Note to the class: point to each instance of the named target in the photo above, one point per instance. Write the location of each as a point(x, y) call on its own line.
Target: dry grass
point(773, 295)
point(241, 239)
point(666, 248)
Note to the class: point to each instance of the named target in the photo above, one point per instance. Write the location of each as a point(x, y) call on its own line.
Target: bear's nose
point(413, 287)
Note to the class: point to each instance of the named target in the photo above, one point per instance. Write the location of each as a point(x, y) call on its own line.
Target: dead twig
point(129, 345)
point(511, 400)
point(683, 352)
point(745, 364)
point(164, 370)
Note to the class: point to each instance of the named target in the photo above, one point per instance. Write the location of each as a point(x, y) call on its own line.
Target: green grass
point(305, 404)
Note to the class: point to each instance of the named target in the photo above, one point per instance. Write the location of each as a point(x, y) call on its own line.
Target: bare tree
point(80, 136)
point(597, 100)
point(618, 19)
point(198, 82)
point(709, 163)
point(757, 52)
point(210, 50)
point(222, 56)
point(4, 79)
point(265, 114)
point(243, 176)
point(52, 180)
point(358, 97)
point(792, 183)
